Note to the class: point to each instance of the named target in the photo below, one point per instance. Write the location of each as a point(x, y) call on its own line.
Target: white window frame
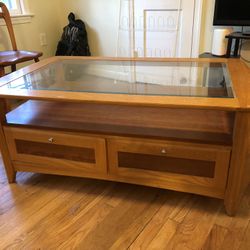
point(19, 6)
point(21, 14)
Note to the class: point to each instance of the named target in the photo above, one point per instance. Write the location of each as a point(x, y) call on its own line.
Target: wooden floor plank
point(52, 212)
point(245, 244)
point(234, 237)
point(90, 221)
point(236, 227)
point(170, 207)
point(21, 219)
point(136, 204)
point(60, 224)
point(12, 195)
point(163, 237)
point(183, 208)
point(216, 238)
point(139, 225)
point(194, 229)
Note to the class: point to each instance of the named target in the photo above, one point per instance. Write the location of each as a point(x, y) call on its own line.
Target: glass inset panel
point(166, 164)
point(56, 151)
point(133, 78)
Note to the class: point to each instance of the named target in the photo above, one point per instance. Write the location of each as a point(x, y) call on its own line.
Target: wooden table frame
point(239, 170)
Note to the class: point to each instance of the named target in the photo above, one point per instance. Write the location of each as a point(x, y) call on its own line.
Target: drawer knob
point(51, 140)
point(163, 151)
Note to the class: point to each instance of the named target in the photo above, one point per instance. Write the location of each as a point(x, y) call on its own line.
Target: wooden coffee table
point(179, 124)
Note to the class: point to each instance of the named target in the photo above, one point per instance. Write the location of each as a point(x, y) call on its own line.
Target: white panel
point(156, 28)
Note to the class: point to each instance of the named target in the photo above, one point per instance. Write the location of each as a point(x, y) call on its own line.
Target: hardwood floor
point(52, 212)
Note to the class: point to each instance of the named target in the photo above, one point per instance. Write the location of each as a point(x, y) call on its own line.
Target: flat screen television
point(232, 12)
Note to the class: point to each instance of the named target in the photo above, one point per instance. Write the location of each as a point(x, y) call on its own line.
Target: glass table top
point(132, 78)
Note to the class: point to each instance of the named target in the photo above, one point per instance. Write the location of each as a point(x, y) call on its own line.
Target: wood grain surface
point(52, 212)
point(211, 182)
point(186, 124)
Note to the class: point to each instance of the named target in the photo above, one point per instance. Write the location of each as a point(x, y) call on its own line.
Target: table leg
point(239, 169)
point(2, 71)
point(10, 171)
point(13, 68)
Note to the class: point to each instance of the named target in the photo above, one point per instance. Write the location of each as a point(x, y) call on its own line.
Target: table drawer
point(57, 149)
point(201, 168)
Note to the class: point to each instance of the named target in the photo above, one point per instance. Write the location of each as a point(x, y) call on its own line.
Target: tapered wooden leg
point(2, 71)
point(10, 172)
point(8, 105)
point(239, 169)
point(13, 68)
point(11, 175)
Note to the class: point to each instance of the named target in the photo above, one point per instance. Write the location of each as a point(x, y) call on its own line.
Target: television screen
point(232, 12)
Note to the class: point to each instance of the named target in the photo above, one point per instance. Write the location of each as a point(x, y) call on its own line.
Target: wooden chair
point(15, 56)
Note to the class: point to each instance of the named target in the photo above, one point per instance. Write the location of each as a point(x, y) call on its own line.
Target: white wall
point(45, 20)
point(207, 26)
point(101, 17)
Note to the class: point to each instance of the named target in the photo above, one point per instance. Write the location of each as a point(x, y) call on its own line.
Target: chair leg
point(2, 71)
point(8, 105)
point(36, 59)
point(13, 67)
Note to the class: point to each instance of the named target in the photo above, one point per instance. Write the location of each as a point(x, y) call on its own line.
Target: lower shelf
point(207, 126)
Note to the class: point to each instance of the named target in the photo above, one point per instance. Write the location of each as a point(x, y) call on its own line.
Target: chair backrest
point(6, 16)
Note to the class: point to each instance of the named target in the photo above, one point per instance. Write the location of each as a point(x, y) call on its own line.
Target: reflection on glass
point(135, 78)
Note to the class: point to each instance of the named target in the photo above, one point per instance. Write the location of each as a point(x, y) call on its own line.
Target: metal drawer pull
point(163, 151)
point(51, 140)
